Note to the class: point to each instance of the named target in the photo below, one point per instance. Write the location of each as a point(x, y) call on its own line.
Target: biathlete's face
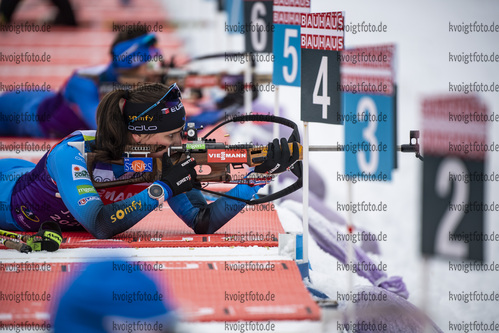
point(167, 139)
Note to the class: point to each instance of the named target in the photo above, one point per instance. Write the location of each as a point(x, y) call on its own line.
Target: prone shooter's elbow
point(202, 221)
point(101, 233)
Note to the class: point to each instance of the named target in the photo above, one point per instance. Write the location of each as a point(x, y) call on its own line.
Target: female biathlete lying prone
point(59, 188)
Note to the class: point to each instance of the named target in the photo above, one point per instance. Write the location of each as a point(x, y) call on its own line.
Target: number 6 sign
point(258, 15)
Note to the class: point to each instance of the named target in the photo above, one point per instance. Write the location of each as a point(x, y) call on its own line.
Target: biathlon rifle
point(191, 79)
point(217, 157)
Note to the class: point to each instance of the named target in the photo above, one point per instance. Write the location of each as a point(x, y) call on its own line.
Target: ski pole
point(19, 246)
point(48, 237)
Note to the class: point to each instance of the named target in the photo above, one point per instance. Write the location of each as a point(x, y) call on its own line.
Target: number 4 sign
point(320, 98)
point(321, 38)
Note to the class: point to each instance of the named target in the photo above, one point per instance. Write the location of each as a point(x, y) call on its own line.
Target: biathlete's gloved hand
point(180, 177)
point(279, 159)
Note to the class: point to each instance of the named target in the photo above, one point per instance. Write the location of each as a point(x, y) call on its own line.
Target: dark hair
point(137, 31)
point(112, 134)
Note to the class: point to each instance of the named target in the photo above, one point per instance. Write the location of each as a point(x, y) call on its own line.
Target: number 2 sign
point(445, 213)
point(453, 179)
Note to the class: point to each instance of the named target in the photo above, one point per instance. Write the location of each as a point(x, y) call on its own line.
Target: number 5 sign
point(287, 20)
point(322, 36)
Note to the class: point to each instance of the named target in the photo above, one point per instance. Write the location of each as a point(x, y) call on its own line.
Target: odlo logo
point(142, 128)
point(121, 213)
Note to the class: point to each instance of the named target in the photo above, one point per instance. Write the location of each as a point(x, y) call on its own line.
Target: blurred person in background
point(65, 15)
point(135, 58)
point(104, 299)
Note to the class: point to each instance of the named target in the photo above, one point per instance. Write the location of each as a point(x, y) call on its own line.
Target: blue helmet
point(106, 299)
point(135, 52)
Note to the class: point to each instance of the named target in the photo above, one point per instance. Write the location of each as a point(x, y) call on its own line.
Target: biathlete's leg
point(10, 171)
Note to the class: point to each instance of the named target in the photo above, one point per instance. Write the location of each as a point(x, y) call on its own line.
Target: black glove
point(278, 159)
point(180, 177)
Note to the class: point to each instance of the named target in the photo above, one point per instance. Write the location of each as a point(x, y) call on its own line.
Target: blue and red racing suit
point(57, 114)
point(59, 189)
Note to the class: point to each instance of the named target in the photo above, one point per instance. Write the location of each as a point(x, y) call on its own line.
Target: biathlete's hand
point(278, 159)
point(180, 177)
